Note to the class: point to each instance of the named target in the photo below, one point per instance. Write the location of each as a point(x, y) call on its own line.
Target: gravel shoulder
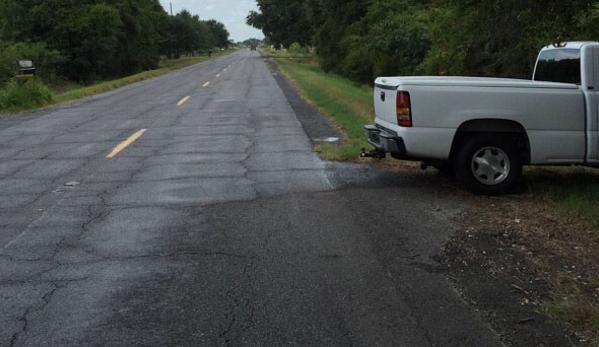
point(492, 262)
point(521, 265)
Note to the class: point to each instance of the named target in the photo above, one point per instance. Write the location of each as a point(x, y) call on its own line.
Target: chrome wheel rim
point(490, 165)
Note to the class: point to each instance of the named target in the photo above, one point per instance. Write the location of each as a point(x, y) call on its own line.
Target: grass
point(74, 93)
point(70, 91)
point(574, 191)
point(23, 93)
point(349, 105)
point(571, 194)
point(577, 311)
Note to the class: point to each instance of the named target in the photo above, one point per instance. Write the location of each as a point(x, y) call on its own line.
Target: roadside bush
point(358, 63)
point(17, 95)
point(297, 49)
point(44, 59)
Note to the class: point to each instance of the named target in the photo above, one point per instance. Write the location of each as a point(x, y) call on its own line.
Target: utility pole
point(171, 8)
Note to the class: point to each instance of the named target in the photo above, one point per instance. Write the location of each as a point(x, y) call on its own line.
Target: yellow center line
point(126, 143)
point(206, 84)
point(182, 101)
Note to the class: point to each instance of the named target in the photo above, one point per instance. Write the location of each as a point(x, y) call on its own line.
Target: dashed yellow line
point(182, 101)
point(126, 143)
point(206, 84)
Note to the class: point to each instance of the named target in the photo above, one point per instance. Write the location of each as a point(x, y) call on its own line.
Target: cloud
point(231, 13)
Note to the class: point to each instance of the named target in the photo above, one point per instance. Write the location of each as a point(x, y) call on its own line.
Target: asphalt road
point(215, 225)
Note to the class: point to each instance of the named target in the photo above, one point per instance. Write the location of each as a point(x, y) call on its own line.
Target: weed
point(576, 311)
point(23, 95)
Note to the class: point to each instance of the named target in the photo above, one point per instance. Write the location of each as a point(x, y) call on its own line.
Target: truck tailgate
point(385, 101)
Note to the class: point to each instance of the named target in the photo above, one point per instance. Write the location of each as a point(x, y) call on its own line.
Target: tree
point(363, 39)
point(100, 39)
point(219, 34)
point(283, 22)
point(340, 30)
point(140, 37)
point(497, 38)
point(87, 36)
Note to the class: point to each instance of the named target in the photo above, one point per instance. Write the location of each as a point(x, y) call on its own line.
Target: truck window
point(559, 65)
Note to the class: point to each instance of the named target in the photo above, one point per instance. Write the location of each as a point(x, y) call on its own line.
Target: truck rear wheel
point(488, 164)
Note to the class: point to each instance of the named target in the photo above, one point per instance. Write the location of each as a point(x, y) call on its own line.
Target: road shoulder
point(318, 126)
point(491, 276)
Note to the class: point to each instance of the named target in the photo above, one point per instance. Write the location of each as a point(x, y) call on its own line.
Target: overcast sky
point(231, 13)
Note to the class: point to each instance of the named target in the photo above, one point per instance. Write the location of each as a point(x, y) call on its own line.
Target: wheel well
point(507, 128)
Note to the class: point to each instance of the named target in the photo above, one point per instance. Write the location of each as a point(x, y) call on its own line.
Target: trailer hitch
point(372, 154)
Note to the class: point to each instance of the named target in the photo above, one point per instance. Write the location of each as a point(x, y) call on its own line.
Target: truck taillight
point(404, 110)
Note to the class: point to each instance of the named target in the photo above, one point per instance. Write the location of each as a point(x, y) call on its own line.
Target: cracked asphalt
point(219, 226)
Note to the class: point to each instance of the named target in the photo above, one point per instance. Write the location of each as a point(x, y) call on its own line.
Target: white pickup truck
point(485, 129)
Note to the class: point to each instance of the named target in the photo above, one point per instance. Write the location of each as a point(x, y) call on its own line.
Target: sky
point(231, 13)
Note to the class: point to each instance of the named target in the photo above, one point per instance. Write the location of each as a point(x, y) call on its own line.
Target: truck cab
point(576, 63)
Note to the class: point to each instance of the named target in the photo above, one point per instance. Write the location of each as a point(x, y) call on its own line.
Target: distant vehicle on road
point(485, 129)
point(253, 48)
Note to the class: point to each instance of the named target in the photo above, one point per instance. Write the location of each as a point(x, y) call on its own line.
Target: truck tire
point(488, 164)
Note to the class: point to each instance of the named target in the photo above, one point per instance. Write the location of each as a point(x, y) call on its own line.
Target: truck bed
point(553, 113)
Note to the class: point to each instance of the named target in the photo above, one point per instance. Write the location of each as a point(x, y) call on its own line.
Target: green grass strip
point(107, 86)
point(348, 104)
point(574, 191)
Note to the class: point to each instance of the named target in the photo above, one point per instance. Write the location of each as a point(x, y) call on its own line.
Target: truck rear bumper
point(384, 142)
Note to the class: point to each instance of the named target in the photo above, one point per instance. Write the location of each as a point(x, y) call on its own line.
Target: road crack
point(31, 310)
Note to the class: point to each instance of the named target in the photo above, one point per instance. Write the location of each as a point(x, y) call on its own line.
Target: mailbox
point(25, 67)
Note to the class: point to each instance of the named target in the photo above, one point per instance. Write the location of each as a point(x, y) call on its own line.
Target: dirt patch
point(518, 262)
point(491, 261)
point(532, 273)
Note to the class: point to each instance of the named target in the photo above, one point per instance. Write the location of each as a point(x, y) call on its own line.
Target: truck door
point(590, 86)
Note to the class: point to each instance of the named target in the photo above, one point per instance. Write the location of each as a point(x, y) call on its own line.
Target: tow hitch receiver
point(372, 154)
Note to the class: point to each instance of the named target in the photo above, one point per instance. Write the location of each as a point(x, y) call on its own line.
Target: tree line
point(87, 40)
point(362, 39)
